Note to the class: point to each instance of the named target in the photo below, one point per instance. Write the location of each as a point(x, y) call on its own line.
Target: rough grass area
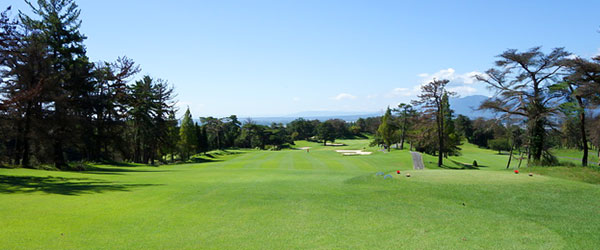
point(297, 199)
point(589, 175)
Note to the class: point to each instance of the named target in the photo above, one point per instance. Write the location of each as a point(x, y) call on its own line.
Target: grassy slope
point(574, 155)
point(259, 199)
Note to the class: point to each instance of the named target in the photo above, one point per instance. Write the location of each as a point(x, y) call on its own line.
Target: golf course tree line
point(58, 107)
point(542, 101)
point(210, 133)
point(429, 129)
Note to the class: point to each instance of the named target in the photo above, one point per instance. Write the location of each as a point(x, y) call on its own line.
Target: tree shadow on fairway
point(212, 157)
point(461, 166)
point(124, 164)
point(208, 158)
point(60, 185)
point(116, 170)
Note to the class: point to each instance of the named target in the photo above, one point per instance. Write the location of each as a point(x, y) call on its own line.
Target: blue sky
point(268, 58)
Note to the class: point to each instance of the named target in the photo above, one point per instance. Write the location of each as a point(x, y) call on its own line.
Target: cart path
point(417, 161)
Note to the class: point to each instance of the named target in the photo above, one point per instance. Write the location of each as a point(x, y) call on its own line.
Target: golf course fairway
point(250, 199)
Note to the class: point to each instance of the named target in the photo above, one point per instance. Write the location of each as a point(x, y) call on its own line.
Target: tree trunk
point(59, 158)
point(584, 160)
point(152, 155)
point(25, 156)
point(17, 150)
point(403, 133)
point(520, 160)
point(510, 155)
point(402, 143)
point(440, 136)
point(136, 153)
point(538, 134)
point(528, 155)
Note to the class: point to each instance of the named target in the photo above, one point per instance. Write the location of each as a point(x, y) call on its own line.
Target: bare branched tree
point(431, 100)
point(520, 81)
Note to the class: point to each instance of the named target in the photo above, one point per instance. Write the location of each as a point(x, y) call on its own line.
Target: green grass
point(294, 199)
point(574, 156)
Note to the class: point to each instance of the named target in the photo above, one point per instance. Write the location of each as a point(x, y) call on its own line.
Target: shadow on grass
point(203, 160)
point(115, 170)
point(60, 185)
point(462, 166)
point(212, 157)
point(123, 164)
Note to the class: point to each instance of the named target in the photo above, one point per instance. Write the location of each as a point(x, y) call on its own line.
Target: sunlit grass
point(297, 199)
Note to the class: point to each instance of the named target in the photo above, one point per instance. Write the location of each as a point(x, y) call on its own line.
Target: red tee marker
point(398, 172)
point(516, 171)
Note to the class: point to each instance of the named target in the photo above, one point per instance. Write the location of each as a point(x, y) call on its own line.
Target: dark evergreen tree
point(187, 136)
point(387, 129)
point(451, 138)
point(67, 89)
point(326, 132)
point(464, 126)
point(406, 113)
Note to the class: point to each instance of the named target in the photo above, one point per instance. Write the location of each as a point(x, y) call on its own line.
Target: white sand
point(304, 148)
point(357, 153)
point(353, 152)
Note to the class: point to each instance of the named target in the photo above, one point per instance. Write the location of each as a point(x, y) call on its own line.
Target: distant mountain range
point(330, 113)
point(466, 106)
point(311, 115)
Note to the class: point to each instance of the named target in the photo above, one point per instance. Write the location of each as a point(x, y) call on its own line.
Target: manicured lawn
point(294, 199)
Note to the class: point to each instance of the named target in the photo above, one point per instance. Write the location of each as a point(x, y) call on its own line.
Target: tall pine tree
point(387, 129)
point(187, 136)
point(67, 89)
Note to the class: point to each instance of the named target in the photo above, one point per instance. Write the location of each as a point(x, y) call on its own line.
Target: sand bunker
point(303, 148)
point(353, 152)
point(335, 144)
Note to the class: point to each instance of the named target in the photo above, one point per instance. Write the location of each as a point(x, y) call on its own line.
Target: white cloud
point(343, 96)
point(450, 74)
point(572, 56)
point(402, 92)
point(463, 90)
point(372, 96)
point(296, 99)
point(459, 83)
